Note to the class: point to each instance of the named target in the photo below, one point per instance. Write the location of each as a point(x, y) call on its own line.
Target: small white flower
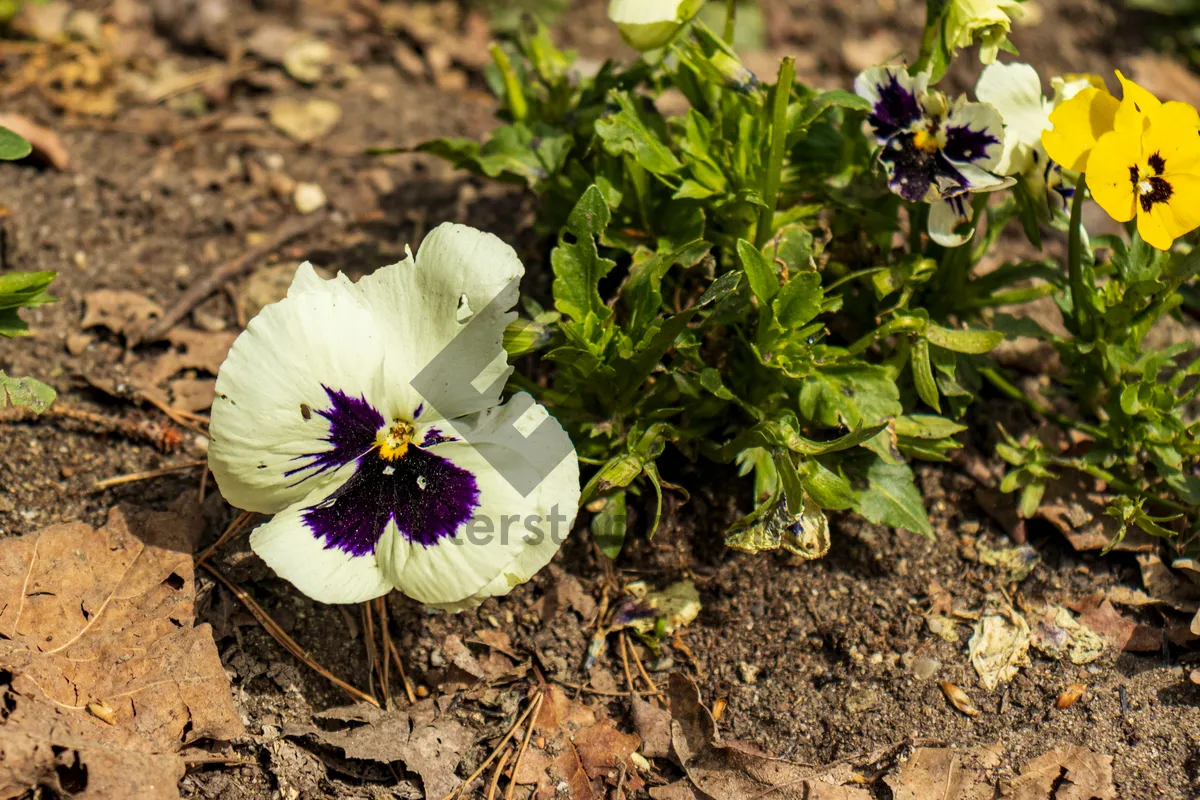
point(650, 24)
point(373, 484)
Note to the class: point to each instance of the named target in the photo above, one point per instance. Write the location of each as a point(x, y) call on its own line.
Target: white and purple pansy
point(935, 151)
point(373, 485)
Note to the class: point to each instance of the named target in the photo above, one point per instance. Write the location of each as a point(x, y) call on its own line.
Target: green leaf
point(850, 395)
point(891, 498)
point(651, 472)
point(13, 146)
point(578, 266)
point(626, 132)
point(25, 289)
point(799, 301)
point(923, 375)
point(610, 524)
point(759, 271)
point(827, 488)
point(973, 341)
point(25, 393)
point(926, 426)
point(800, 118)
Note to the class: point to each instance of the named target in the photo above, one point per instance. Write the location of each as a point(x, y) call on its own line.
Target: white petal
point(1015, 90)
point(975, 121)
point(327, 575)
point(419, 303)
point(269, 389)
point(512, 535)
point(870, 81)
point(943, 219)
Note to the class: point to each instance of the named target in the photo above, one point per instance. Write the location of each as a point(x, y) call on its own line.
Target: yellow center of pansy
point(393, 443)
point(924, 140)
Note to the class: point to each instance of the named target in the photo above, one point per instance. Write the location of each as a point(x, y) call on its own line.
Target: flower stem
point(730, 21)
point(783, 92)
point(512, 84)
point(1080, 296)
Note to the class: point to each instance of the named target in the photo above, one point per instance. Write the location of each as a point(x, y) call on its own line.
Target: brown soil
point(813, 659)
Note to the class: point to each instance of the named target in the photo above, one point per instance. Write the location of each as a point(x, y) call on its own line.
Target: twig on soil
point(134, 477)
point(408, 690)
point(512, 781)
point(534, 704)
point(165, 438)
point(287, 642)
point(637, 661)
point(495, 783)
point(598, 692)
point(184, 419)
point(205, 286)
point(372, 655)
point(239, 524)
point(625, 663)
point(381, 610)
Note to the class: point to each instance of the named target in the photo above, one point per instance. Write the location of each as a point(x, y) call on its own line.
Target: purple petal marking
point(435, 436)
point(353, 426)
point(428, 497)
point(910, 169)
point(966, 145)
point(895, 110)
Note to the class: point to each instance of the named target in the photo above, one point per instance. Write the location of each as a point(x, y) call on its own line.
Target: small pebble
point(925, 668)
point(748, 672)
point(308, 197)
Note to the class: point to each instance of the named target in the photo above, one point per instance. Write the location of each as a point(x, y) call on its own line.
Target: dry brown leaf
point(1163, 583)
point(945, 772)
point(1097, 613)
point(732, 770)
point(428, 744)
point(203, 351)
point(47, 145)
point(567, 592)
point(110, 677)
point(1068, 772)
point(1079, 516)
point(654, 726)
point(123, 312)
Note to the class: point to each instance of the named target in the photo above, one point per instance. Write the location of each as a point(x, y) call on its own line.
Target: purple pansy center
point(428, 497)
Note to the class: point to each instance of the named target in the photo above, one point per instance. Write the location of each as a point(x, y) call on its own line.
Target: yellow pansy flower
point(1079, 122)
point(1148, 166)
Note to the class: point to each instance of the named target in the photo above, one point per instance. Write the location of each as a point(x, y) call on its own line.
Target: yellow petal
point(1108, 175)
point(1077, 125)
point(1173, 133)
point(1136, 103)
point(1167, 221)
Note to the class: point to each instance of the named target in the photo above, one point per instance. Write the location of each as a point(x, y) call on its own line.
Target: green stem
point(1114, 482)
point(1007, 388)
point(730, 21)
point(929, 37)
point(783, 93)
point(1080, 295)
point(858, 273)
point(894, 325)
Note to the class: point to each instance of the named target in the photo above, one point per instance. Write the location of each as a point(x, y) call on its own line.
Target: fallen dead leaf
point(653, 724)
point(999, 646)
point(1067, 772)
point(1163, 583)
point(426, 742)
point(943, 772)
point(1057, 634)
point(110, 676)
point(123, 312)
point(202, 351)
point(1079, 516)
point(1098, 613)
point(732, 770)
point(47, 145)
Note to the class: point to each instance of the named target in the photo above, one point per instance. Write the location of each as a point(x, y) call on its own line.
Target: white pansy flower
point(374, 484)
point(650, 24)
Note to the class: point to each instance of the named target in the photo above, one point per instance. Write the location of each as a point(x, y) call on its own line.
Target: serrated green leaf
point(578, 266)
point(627, 132)
point(891, 498)
point(972, 341)
point(13, 146)
point(25, 393)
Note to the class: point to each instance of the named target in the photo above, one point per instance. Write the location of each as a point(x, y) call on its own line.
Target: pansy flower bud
point(984, 21)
